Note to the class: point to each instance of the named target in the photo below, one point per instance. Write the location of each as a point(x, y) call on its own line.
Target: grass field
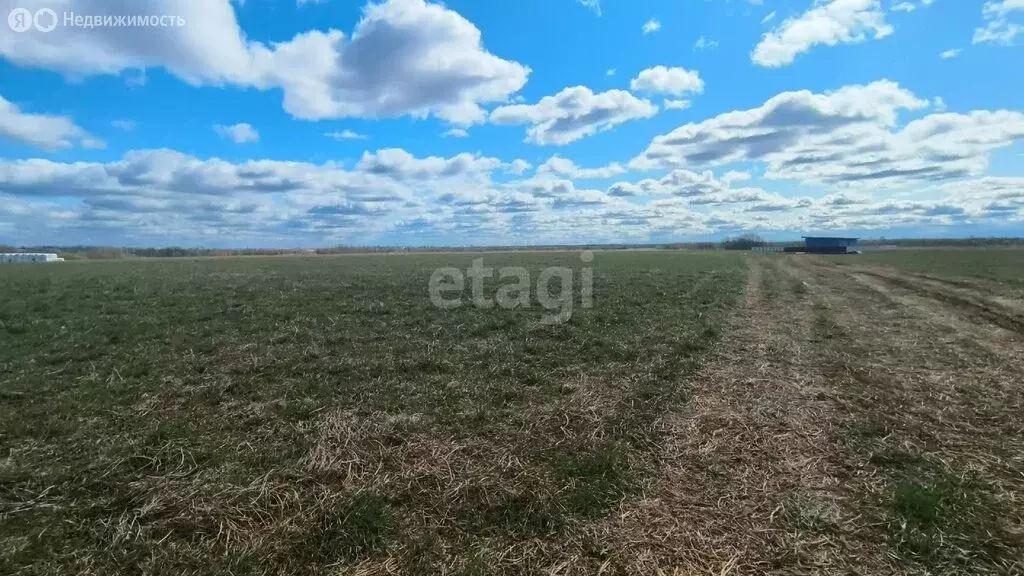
point(1003, 266)
point(297, 415)
point(710, 413)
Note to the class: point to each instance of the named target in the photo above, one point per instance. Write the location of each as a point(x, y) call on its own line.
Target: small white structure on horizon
point(26, 258)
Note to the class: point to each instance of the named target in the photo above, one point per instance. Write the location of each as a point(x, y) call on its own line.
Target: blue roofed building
point(830, 245)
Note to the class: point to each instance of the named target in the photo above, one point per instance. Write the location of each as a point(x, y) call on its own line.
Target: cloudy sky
point(408, 122)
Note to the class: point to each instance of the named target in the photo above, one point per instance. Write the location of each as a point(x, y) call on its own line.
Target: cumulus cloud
point(456, 133)
point(665, 80)
point(404, 57)
point(781, 121)
point(346, 135)
point(400, 165)
point(154, 195)
point(566, 167)
point(560, 193)
point(680, 182)
point(670, 104)
point(573, 113)
point(848, 136)
point(161, 173)
point(519, 166)
point(938, 147)
point(998, 28)
point(951, 53)
point(704, 43)
point(42, 130)
point(165, 193)
point(241, 133)
point(736, 176)
point(651, 26)
point(830, 23)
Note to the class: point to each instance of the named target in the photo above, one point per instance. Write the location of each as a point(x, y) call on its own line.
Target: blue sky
point(406, 122)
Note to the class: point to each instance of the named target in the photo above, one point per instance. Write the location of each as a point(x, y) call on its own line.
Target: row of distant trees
point(742, 242)
point(112, 253)
point(748, 241)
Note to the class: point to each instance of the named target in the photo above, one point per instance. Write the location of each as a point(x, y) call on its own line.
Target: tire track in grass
point(750, 481)
point(930, 426)
point(1004, 312)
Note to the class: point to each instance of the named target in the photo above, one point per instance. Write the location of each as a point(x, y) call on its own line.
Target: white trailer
point(28, 258)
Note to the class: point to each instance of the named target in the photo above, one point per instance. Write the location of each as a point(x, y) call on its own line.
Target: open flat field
point(1002, 267)
point(710, 413)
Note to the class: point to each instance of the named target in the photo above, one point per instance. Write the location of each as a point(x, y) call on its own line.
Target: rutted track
point(960, 295)
point(840, 395)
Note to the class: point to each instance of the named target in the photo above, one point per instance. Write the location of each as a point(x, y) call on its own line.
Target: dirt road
point(854, 420)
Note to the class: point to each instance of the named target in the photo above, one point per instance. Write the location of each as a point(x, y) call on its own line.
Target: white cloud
point(1001, 7)
point(565, 167)
point(704, 43)
point(241, 133)
point(831, 23)
point(782, 121)
point(400, 165)
point(42, 130)
point(903, 7)
point(769, 17)
point(736, 176)
point(664, 80)
point(610, 72)
point(680, 182)
point(346, 135)
point(166, 173)
point(160, 185)
point(153, 195)
point(998, 28)
point(651, 26)
point(124, 124)
point(676, 104)
point(594, 5)
point(847, 137)
point(519, 166)
point(161, 193)
point(951, 53)
point(574, 113)
point(405, 57)
point(456, 133)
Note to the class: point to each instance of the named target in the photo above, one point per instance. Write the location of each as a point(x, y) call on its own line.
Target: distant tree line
point(944, 242)
point(113, 253)
point(742, 242)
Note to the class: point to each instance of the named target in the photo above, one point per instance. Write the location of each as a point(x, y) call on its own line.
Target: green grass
point(296, 415)
point(997, 265)
point(936, 521)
